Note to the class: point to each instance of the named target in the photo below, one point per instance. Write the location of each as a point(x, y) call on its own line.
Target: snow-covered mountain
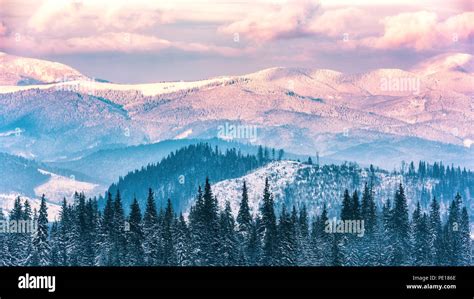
point(302, 110)
point(15, 70)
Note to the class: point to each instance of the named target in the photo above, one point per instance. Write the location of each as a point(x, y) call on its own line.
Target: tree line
point(209, 236)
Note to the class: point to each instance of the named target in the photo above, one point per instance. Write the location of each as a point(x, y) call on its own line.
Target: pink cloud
point(277, 21)
point(336, 22)
point(422, 30)
point(117, 42)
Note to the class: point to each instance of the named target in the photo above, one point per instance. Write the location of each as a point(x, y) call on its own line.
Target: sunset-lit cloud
point(423, 30)
point(271, 32)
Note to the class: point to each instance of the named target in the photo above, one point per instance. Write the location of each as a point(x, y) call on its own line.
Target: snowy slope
point(15, 70)
point(59, 187)
point(294, 183)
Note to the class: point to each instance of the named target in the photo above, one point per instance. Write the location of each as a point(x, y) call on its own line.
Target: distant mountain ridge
point(305, 111)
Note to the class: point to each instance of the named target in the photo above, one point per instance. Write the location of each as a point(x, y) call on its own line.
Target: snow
point(184, 134)
point(14, 68)
point(59, 187)
point(7, 202)
point(280, 174)
point(150, 89)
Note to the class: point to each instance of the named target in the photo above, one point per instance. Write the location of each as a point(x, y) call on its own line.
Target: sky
point(151, 41)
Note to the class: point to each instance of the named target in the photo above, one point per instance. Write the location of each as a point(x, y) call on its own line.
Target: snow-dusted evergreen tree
point(321, 241)
point(169, 250)
point(270, 234)
point(452, 233)
point(40, 255)
point(303, 238)
point(18, 244)
point(368, 210)
point(197, 229)
point(287, 242)
point(119, 240)
point(135, 238)
point(152, 232)
point(228, 251)
point(465, 248)
point(54, 241)
point(183, 243)
point(436, 234)
point(105, 255)
point(63, 228)
point(421, 254)
point(401, 229)
point(347, 207)
point(254, 249)
point(208, 216)
point(388, 233)
point(244, 225)
point(5, 259)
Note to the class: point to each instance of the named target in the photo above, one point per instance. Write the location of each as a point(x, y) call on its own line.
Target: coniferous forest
point(209, 236)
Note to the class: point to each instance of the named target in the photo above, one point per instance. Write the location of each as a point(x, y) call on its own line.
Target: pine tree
point(287, 253)
point(270, 238)
point(347, 207)
point(169, 252)
point(465, 246)
point(452, 233)
point(254, 249)
point(106, 254)
point(183, 243)
point(244, 222)
point(436, 232)
point(15, 243)
point(401, 229)
point(54, 241)
point(197, 229)
point(421, 238)
point(64, 228)
point(152, 234)
point(5, 258)
point(211, 224)
point(40, 255)
point(229, 249)
point(244, 218)
point(135, 237)
point(368, 211)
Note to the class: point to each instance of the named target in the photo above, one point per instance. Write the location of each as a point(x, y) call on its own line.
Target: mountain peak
point(16, 70)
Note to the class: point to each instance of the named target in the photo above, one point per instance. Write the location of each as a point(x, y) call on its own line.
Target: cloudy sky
point(150, 41)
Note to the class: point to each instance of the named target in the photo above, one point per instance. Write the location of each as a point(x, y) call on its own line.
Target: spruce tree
point(270, 238)
point(169, 251)
point(40, 255)
point(229, 248)
point(244, 218)
point(465, 247)
point(151, 231)
point(347, 207)
point(183, 243)
point(436, 233)
point(401, 229)
point(135, 238)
